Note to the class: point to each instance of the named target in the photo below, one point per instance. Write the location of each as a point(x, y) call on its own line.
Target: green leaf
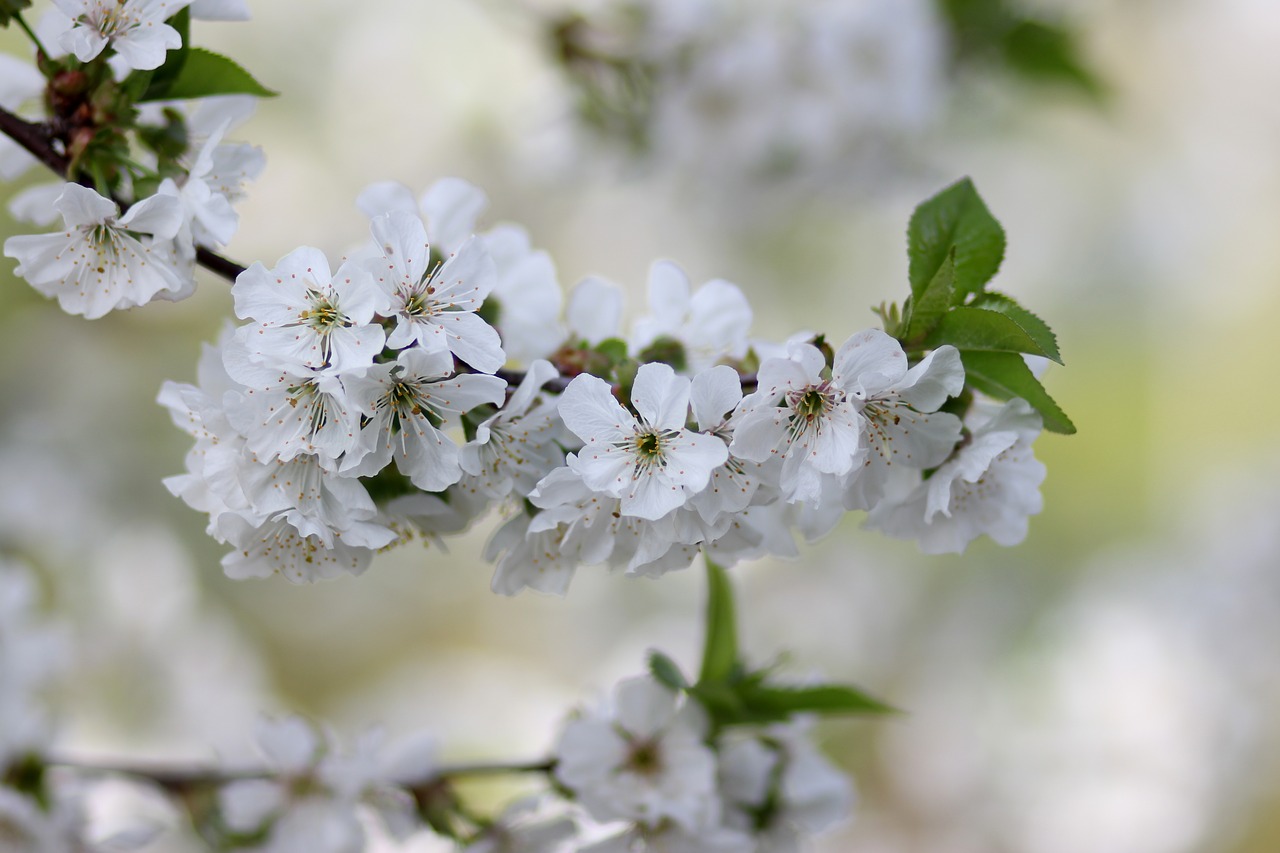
point(1004, 375)
point(968, 328)
point(9, 8)
point(720, 649)
point(666, 671)
point(205, 73)
point(1031, 324)
point(926, 311)
point(818, 699)
point(1045, 53)
point(614, 348)
point(955, 218)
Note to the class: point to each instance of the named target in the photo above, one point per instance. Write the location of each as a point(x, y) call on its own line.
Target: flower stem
point(30, 34)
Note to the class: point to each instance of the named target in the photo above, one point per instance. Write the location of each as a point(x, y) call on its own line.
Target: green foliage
point(733, 695)
point(201, 74)
point(955, 247)
point(1037, 50)
point(1038, 330)
point(10, 8)
point(925, 311)
point(720, 647)
point(1004, 375)
point(667, 350)
point(614, 349)
point(981, 329)
point(955, 223)
point(1043, 52)
point(666, 671)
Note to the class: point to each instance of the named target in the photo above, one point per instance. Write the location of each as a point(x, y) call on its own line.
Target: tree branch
point(38, 141)
point(177, 779)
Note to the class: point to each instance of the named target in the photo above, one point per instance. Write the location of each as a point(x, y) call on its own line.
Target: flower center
point(323, 315)
point(645, 758)
point(810, 407)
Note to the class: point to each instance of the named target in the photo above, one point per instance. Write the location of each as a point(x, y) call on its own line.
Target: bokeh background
point(1110, 685)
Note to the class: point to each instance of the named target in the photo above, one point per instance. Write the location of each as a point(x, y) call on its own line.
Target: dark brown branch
point(38, 141)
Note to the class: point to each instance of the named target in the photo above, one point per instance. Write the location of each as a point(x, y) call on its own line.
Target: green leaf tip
point(666, 672)
point(204, 73)
point(1004, 375)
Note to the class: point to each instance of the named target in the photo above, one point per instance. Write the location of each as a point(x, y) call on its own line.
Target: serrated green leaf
point(1004, 375)
point(968, 328)
point(205, 73)
point(720, 649)
point(666, 671)
point(925, 312)
point(818, 699)
point(1046, 53)
point(956, 217)
point(1031, 324)
point(9, 8)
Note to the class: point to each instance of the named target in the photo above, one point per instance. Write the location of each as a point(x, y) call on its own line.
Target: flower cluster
point(175, 162)
point(376, 403)
point(650, 762)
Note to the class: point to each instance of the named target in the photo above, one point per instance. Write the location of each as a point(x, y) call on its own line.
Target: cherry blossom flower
point(308, 317)
point(647, 462)
point(406, 402)
point(516, 447)
point(641, 760)
point(135, 29)
point(97, 264)
point(711, 324)
point(435, 306)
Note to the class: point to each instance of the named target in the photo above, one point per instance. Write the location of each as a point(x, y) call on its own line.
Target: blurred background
point(1109, 685)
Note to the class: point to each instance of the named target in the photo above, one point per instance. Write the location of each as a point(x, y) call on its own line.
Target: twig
point(177, 778)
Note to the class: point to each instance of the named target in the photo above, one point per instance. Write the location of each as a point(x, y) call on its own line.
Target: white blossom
point(647, 462)
point(135, 29)
point(96, 265)
point(989, 487)
point(641, 760)
point(517, 446)
point(306, 316)
point(807, 421)
point(283, 412)
point(780, 788)
point(435, 306)
point(406, 402)
point(711, 324)
point(901, 424)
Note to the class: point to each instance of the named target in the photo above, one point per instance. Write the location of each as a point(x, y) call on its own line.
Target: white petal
point(384, 197)
point(715, 393)
point(595, 310)
point(645, 707)
point(451, 207)
point(939, 375)
point(869, 363)
point(589, 410)
point(661, 397)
